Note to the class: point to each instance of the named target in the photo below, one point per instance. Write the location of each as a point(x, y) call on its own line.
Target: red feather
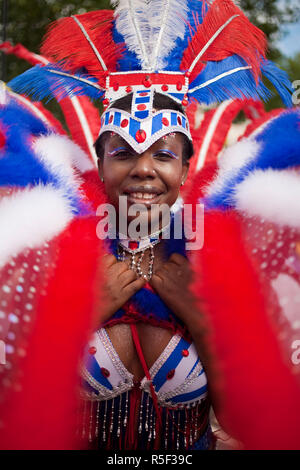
point(65, 41)
point(257, 394)
point(239, 37)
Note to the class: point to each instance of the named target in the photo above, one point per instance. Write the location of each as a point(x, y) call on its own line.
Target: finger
point(178, 259)
point(109, 260)
point(127, 277)
point(156, 281)
point(134, 287)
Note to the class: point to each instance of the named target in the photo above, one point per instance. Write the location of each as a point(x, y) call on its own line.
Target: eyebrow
point(167, 151)
point(118, 149)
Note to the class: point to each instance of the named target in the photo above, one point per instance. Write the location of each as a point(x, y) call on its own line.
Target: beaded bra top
point(177, 375)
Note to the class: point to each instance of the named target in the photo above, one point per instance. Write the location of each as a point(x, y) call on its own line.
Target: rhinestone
point(105, 372)
point(170, 374)
point(13, 318)
point(36, 268)
point(19, 289)
point(4, 303)
point(28, 307)
point(6, 289)
point(32, 289)
point(9, 349)
point(17, 298)
point(26, 318)
point(2, 314)
point(21, 279)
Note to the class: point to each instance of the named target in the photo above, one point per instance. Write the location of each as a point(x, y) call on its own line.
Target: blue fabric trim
point(94, 369)
point(189, 396)
point(171, 363)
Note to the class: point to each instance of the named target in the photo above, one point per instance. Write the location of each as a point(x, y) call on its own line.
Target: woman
point(143, 382)
point(153, 177)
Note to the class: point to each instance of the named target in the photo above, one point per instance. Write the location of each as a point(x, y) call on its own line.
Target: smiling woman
point(172, 331)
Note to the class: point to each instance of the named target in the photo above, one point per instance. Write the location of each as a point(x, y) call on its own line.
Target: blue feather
point(19, 165)
point(279, 149)
point(129, 60)
point(280, 80)
point(239, 85)
point(40, 83)
point(195, 14)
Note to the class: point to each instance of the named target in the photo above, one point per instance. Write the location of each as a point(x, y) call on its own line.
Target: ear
point(100, 168)
point(185, 170)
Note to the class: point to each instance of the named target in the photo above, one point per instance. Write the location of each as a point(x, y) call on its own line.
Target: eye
point(165, 155)
point(120, 153)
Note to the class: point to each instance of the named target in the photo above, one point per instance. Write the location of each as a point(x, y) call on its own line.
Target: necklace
point(137, 249)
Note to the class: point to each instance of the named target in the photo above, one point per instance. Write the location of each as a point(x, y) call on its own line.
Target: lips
point(143, 194)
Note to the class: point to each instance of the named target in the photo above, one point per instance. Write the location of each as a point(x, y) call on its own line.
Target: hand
point(172, 282)
point(121, 284)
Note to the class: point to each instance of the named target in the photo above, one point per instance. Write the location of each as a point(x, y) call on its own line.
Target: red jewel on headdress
point(170, 374)
point(179, 86)
point(187, 74)
point(124, 123)
point(116, 87)
point(133, 245)
point(179, 120)
point(106, 102)
point(105, 372)
point(111, 119)
point(140, 136)
point(129, 89)
point(141, 107)
point(165, 88)
point(165, 121)
point(147, 82)
point(185, 101)
point(92, 350)
point(185, 352)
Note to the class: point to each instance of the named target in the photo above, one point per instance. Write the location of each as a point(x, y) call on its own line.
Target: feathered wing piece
point(53, 80)
point(212, 46)
point(84, 42)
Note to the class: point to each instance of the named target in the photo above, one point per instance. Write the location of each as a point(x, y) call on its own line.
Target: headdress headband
point(202, 50)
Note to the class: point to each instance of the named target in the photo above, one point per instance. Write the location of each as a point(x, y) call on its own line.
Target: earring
point(102, 179)
point(182, 183)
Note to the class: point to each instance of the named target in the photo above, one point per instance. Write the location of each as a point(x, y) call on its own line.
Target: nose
point(144, 167)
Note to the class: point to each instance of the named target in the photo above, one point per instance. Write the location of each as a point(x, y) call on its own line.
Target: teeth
point(143, 195)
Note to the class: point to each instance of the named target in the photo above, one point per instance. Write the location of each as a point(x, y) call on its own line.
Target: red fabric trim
point(135, 337)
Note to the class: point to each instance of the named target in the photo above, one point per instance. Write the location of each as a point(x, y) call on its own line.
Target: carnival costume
point(185, 50)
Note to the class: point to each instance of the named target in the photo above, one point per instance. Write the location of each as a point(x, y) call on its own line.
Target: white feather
point(168, 21)
point(150, 28)
point(231, 161)
point(132, 23)
point(31, 217)
point(273, 195)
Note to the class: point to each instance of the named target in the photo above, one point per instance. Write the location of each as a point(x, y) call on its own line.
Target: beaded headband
point(144, 126)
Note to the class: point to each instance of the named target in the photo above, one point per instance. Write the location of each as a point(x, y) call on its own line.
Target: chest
point(153, 341)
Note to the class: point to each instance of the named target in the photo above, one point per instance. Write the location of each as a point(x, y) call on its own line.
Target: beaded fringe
point(105, 424)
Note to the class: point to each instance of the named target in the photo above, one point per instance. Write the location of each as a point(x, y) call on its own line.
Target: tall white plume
point(150, 28)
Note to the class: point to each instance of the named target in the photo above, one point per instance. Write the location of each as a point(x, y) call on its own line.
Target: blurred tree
point(270, 16)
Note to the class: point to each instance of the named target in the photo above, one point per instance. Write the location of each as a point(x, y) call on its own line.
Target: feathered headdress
point(203, 50)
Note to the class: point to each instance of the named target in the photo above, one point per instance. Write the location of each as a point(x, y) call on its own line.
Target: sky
point(290, 43)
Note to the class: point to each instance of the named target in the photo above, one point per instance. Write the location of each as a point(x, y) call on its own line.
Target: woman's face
point(153, 177)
